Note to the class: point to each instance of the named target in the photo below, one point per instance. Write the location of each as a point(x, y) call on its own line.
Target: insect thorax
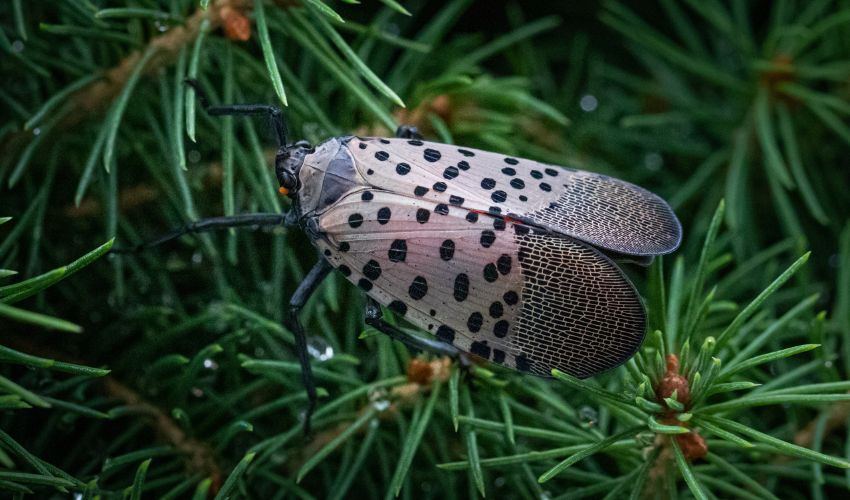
point(326, 176)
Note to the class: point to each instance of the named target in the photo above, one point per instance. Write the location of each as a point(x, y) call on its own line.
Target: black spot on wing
point(474, 322)
point(487, 238)
point(398, 251)
point(490, 273)
point(384, 215)
point(398, 307)
point(446, 334)
point(480, 349)
point(422, 215)
point(447, 250)
point(372, 270)
point(461, 287)
point(402, 168)
point(431, 155)
point(355, 220)
point(418, 288)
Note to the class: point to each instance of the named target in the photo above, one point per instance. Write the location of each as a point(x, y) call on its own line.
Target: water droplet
point(197, 257)
point(17, 46)
point(588, 416)
point(653, 162)
point(381, 404)
point(588, 103)
point(499, 482)
point(161, 26)
point(194, 156)
point(36, 131)
point(827, 364)
point(210, 364)
point(318, 348)
point(197, 392)
point(392, 28)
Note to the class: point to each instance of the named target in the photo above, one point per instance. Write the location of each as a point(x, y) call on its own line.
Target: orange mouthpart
point(282, 190)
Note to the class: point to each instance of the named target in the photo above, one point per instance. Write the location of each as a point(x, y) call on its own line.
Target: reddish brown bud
point(235, 24)
point(693, 445)
point(419, 371)
point(673, 381)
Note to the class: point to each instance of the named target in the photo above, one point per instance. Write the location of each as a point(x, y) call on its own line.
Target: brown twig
point(837, 418)
point(97, 96)
point(421, 374)
point(200, 456)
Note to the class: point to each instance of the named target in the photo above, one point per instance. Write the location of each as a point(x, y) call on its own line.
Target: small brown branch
point(837, 418)
point(200, 456)
point(96, 97)
point(421, 374)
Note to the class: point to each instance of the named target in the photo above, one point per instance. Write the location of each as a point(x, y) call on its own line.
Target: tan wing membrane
point(600, 210)
point(489, 286)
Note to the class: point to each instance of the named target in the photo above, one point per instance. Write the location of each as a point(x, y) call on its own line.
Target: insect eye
point(286, 180)
point(305, 146)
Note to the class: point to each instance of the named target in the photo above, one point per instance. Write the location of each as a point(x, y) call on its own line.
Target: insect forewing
point(600, 210)
point(498, 289)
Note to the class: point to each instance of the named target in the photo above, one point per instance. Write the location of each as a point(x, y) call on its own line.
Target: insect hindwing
point(492, 287)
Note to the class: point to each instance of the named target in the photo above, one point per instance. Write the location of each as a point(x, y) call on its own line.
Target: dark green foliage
point(169, 374)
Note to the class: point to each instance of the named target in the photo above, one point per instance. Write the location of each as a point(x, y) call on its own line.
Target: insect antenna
point(274, 113)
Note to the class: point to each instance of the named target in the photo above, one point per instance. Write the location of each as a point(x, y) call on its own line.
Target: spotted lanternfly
point(504, 258)
point(501, 257)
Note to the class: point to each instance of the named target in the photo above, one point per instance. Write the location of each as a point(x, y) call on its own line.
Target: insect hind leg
point(302, 294)
point(374, 318)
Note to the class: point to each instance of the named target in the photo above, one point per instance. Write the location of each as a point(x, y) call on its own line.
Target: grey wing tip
point(672, 235)
point(675, 235)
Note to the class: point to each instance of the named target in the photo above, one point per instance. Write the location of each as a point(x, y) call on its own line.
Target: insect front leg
point(374, 318)
point(273, 112)
point(212, 224)
point(302, 294)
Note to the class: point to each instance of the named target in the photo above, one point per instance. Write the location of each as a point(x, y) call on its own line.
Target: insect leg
point(302, 294)
point(274, 113)
point(374, 318)
point(212, 224)
point(408, 132)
